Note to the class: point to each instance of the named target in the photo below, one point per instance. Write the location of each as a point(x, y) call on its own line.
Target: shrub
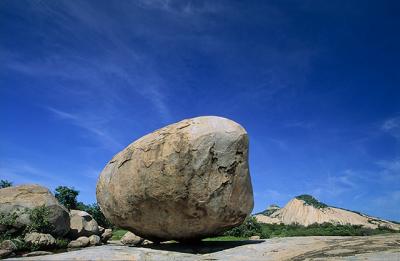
point(39, 218)
point(311, 201)
point(67, 196)
point(62, 242)
point(325, 229)
point(5, 183)
point(8, 219)
point(250, 227)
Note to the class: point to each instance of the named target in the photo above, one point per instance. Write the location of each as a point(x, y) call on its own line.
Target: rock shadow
point(201, 247)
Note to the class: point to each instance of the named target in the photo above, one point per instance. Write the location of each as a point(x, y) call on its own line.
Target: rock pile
point(15, 205)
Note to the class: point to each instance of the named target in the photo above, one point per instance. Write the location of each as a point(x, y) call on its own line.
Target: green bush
point(5, 183)
point(39, 218)
point(311, 201)
point(250, 227)
point(62, 243)
point(40, 223)
point(8, 219)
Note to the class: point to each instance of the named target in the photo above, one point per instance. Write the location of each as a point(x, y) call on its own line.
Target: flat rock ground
point(382, 247)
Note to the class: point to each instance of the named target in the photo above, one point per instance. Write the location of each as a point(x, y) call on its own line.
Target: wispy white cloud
point(22, 172)
point(334, 185)
point(89, 124)
point(390, 170)
point(392, 126)
point(116, 71)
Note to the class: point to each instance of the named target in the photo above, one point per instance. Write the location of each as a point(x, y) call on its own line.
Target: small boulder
point(82, 224)
point(146, 242)
point(5, 253)
point(40, 240)
point(94, 240)
point(8, 245)
point(107, 234)
point(101, 230)
point(85, 240)
point(75, 244)
point(131, 239)
point(79, 242)
point(18, 199)
point(255, 238)
point(37, 253)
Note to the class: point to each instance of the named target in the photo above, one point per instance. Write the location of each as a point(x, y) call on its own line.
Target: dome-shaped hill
point(306, 210)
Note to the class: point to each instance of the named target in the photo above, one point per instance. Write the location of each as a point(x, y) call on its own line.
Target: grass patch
point(118, 233)
point(326, 229)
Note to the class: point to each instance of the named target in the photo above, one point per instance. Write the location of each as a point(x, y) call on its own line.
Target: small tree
point(5, 183)
point(250, 227)
point(67, 196)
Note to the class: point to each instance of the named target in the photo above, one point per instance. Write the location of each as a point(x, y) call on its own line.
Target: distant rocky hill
point(306, 210)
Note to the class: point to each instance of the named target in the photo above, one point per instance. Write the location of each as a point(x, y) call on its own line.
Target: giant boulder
point(18, 199)
point(186, 181)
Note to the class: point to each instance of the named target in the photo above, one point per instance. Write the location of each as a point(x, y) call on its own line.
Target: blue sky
point(315, 83)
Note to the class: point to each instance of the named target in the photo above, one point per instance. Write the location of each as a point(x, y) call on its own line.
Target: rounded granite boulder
point(186, 181)
point(19, 199)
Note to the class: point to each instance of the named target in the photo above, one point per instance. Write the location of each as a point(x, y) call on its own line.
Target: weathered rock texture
point(106, 235)
point(187, 180)
point(131, 239)
point(298, 212)
point(20, 198)
point(94, 240)
point(41, 240)
point(82, 224)
point(8, 245)
point(79, 242)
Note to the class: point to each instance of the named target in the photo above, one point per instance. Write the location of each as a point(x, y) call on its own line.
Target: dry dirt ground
point(382, 247)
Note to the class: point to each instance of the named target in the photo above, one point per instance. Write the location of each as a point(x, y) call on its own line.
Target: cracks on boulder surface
point(229, 170)
point(123, 162)
point(211, 151)
point(183, 126)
